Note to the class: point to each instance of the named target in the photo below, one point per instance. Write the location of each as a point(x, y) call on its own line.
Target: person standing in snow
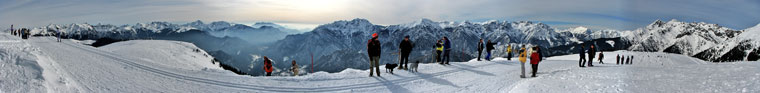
point(522, 57)
point(622, 60)
point(601, 57)
point(12, 31)
point(489, 47)
point(406, 48)
point(534, 59)
point(591, 54)
point(438, 51)
point(447, 50)
point(59, 34)
point(294, 68)
point(373, 50)
point(268, 66)
point(480, 48)
point(582, 60)
point(630, 61)
point(617, 60)
point(509, 52)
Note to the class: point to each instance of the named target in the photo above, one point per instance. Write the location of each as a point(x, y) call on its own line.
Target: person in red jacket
point(268, 66)
point(534, 59)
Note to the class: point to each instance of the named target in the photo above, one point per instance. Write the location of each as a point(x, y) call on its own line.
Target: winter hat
point(374, 35)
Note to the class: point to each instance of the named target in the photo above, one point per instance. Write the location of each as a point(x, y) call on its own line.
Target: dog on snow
point(389, 67)
point(413, 67)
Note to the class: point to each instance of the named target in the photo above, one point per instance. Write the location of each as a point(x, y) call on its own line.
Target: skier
point(447, 50)
point(534, 59)
point(480, 48)
point(601, 57)
point(406, 48)
point(582, 60)
point(438, 51)
point(617, 60)
point(489, 47)
point(294, 68)
point(522, 57)
point(591, 54)
point(268, 66)
point(509, 52)
point(373, 50)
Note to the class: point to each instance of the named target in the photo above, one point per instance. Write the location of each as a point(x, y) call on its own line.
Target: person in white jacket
point(294, 68)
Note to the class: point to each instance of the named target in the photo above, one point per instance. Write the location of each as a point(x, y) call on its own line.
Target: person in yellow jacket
point(522, 57)
point(509, 52)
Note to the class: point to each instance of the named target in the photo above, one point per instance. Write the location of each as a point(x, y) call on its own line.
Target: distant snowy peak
point(347, 27)
point(688, 38)
point(269, 24)
point(424, 23)
point(580, 30)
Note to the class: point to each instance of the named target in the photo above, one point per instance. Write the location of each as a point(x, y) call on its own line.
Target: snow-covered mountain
point(342, 44)
point(680, 37)
point(254, 35)
point(743, 47)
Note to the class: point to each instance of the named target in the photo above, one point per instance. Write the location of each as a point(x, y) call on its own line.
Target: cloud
point(595, 14)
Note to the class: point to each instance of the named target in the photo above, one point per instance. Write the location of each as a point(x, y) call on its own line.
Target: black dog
point(389, 67)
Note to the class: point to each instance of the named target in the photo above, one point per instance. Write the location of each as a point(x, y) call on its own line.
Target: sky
point(307, 14)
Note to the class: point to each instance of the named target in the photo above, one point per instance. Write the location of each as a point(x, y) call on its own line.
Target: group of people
point(268, 67)
point(443, 45)
point(23, 32)
point(623, 60)
point(488, 47)
point(374, 51)
point(535, 57)
point(591, 51)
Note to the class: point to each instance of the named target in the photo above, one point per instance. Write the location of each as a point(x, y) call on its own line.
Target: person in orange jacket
point(534, 60)
point(268, 66)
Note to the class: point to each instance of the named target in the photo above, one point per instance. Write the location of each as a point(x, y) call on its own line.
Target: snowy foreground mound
point(42, 65)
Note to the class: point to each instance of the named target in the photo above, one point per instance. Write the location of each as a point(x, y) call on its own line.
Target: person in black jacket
point(601, 57)
point(617, 60)
point(591, 54)
point(406, 48)
point(446, 50)
point(489, 47)
point(480, 48)
point(373, 50)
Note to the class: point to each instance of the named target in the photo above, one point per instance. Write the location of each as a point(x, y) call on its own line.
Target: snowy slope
point(181, 55)
point(79, 68)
